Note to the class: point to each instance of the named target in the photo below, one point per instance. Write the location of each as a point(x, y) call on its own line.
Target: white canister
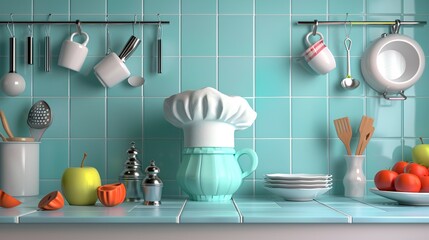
point(19, 168)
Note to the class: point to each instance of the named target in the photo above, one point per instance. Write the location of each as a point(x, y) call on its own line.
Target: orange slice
point(7, 201)
point(52, 201)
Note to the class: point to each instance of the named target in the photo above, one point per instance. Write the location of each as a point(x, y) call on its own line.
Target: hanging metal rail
point(395, 25)
point(84, 22)
point(360, 22)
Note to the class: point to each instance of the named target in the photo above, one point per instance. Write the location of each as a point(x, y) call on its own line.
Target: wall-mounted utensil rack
point(84, 22)
point(395, 25)
point(360, 22)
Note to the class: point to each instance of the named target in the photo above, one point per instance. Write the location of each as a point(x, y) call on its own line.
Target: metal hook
point(160, 31)
point(347, 32)
point(11, 32)
point(108, 50)
point(134, 24)
point(78, 27)
point(48, 27)
point(316, 24)
point(395, 28)
point(401, 93)
point(30, 30)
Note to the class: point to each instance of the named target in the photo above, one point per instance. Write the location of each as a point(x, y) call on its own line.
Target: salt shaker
point(152, 186)
point(132, 176)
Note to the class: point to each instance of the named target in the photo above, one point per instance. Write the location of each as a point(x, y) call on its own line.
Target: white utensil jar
point(19, 168)
point(354, 180)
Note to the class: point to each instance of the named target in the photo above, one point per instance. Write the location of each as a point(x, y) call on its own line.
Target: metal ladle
point(349, 82)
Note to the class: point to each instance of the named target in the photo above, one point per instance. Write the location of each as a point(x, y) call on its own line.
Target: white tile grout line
point(349, 217)
point(254, 89)
point(69, 105)
point(142, 72)
point(181, 211)
point(217, 45)
point(17, 218)
point(328, 146)
point(290, 89)
point(180, 46)
point(106, 111)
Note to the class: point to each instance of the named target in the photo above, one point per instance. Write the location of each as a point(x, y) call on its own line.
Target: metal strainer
point(39, 119)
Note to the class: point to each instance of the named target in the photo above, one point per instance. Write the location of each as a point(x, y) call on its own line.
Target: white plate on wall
point(298, 194)
point(282, 176)
point(404, 198)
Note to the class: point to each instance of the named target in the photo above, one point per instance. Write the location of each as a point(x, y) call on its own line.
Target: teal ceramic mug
point(213, 173)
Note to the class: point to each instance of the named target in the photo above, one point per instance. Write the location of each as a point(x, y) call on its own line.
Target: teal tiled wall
point(249, 48)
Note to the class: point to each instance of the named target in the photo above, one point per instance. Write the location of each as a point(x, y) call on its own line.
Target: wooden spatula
point(366, 141)
point(344, 132)
point(366, 129)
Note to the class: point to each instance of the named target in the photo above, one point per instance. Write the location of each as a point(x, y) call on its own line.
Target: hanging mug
point(73, 54)
point(318, 56)
point(112, 70)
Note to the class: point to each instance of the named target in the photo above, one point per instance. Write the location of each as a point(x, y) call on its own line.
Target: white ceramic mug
point(111, 70)
point(318, 56)
point(19, 168)
point(73, 54)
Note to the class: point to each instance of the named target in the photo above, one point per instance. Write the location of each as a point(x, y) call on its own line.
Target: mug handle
point(253, 158)
point(307, 41)
point(83, 33)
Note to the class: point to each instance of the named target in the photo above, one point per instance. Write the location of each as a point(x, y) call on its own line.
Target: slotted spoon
point(344, 132)
point(366, 130)
point(39, 119)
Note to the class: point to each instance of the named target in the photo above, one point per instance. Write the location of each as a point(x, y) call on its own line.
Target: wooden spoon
point(5, 124)
point(344, 132)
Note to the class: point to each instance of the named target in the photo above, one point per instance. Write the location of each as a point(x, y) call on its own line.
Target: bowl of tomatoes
point(407, 183)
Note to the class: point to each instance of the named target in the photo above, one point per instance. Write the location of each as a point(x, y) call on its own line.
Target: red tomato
point(385, 180)
point(417, 169)
point(425, 184)
point(399, 167)
point(407, 182)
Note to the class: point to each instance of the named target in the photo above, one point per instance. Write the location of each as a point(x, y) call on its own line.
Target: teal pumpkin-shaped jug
point(213, 173)
point(210, 168)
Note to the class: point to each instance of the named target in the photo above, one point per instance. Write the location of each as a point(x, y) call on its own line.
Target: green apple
point(421, 154)
point(79, 184)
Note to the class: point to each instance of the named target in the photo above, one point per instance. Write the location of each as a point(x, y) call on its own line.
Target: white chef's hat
point(208, 117)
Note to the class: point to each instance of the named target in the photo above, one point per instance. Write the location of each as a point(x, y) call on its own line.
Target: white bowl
point(393, 63)
point(298, 194)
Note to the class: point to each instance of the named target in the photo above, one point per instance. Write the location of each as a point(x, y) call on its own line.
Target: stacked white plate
point(298, 187)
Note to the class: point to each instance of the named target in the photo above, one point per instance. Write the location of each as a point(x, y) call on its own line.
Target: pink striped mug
point(318, 56)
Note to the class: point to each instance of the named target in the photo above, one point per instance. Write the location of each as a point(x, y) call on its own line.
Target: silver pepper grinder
point(152, 186)
point(132, 176)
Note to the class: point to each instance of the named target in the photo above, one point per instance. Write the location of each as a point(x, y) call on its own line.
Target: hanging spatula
point(39, 119)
